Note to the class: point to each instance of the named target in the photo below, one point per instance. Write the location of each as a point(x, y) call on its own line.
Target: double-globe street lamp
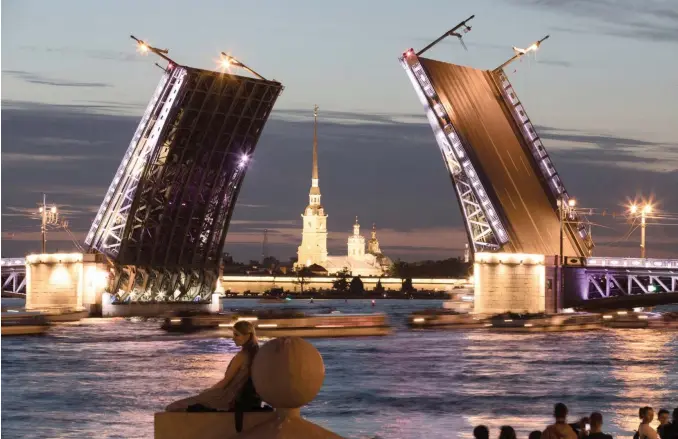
point(49, 217)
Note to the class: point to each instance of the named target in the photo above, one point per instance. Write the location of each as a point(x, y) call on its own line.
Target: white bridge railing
point(12, 262)
point(632, 263)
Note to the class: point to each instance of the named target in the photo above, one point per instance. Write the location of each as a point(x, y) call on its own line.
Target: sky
point(602, 90)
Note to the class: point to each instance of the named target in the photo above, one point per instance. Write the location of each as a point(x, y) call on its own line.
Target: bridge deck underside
point(504, 164)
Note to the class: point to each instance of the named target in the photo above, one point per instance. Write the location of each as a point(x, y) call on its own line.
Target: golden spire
point(315, 146)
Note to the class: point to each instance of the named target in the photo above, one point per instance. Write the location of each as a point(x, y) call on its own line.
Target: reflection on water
point(106, 378)
point(643, 361)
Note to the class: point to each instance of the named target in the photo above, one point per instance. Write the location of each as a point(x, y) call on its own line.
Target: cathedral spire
point(315, 146)
point(314, 194)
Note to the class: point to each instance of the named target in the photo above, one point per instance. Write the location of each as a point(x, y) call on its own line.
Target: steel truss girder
point(99, 232)
point(165, 217)
point(183, 207)
point(604, 284)
point(153, 284)
point(16, 279)
point(485, 229)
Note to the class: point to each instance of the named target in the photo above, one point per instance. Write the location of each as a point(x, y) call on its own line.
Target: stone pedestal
point(176, 425)
point(506, 282)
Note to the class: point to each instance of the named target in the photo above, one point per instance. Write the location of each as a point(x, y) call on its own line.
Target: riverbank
point(344, 295)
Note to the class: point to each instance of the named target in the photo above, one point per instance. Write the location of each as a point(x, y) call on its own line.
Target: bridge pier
point(64, 281)
point(508, 282)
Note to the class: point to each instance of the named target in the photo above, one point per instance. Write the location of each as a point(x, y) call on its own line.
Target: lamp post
point(48, 216)
point(563, 210)
point(227, 61)
point(643, 210)
point(520, 52)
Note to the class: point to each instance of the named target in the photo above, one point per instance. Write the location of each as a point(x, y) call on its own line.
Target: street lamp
point(49, 216)
point(143, 47)
point(227, 61)
point(518, 52)
point(450, 33)
point(643, 210)
point(564, 209)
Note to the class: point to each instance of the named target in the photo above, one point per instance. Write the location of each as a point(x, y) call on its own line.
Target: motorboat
point(284, 322)
point(16, 322)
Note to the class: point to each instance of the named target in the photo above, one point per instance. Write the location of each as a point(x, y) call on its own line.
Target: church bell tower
point(313, 248)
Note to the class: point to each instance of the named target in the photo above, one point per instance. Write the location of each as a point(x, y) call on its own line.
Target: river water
point(106, 377)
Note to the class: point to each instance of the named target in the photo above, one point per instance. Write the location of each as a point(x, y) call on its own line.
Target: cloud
point(37, 78)
point(61, 141)
point(554, 62)
point(595, 149)
point(53, 235)
point(648, 20)
point(111, 55)
point(251, 206)
point(264, 222)
point(347, 117)
point(382, 170)
point(18, 159)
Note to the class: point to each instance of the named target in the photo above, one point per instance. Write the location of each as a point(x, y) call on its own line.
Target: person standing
point(596, 432)
point(663, 418)
point(645, 431)
point(561, 429)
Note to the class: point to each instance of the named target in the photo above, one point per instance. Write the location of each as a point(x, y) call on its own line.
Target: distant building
point(313, 248)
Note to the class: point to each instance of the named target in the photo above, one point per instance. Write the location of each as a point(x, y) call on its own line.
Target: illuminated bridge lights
point(632, 263)
point(509, 258)
point(482, 222)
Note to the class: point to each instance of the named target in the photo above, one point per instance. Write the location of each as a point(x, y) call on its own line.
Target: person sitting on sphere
point(235, 392)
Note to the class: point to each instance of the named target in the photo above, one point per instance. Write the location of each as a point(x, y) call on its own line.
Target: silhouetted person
point(579, 427)
point(507, 432)
point(596, 432)
point(645, 431)
point(670, 431)
point(481, 432)
point(663, 417)
point(536, 434)
point(235, 390)
point(559, 430)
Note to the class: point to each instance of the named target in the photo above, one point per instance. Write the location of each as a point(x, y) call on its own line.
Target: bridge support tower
point(514, 282)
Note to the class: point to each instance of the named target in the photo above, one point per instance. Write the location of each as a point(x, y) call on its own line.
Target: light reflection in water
point(641, 361)
point(107, 377)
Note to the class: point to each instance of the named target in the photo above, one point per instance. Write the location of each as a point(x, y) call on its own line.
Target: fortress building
point(313, 248)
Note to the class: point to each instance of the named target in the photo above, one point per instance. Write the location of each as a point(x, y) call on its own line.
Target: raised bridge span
point(506, 184)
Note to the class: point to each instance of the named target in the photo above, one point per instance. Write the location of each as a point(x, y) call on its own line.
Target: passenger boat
point(23, 323)
point(624, 319)
point(64, 315)
point(666, 320)
point(285, 322)
point(444, 319)
point(540, 322)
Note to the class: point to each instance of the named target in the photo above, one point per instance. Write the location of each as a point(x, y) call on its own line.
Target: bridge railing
point(12, 262)
point(631, 263)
